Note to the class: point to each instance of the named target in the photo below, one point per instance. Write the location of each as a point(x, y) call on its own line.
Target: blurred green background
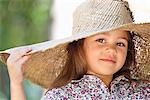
point(23, 22)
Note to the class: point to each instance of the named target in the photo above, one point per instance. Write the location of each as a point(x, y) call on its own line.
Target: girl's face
point(106, 53)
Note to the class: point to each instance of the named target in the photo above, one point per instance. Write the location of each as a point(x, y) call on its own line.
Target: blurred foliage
point(22, 22)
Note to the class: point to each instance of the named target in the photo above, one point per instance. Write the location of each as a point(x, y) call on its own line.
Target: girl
point(101, 60)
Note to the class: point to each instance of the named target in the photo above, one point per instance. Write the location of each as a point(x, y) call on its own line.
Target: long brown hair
point(75, 66)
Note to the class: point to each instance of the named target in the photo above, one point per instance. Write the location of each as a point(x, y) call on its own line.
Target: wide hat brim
point(48, 58)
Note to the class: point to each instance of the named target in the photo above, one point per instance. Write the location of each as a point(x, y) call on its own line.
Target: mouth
point(108, 60)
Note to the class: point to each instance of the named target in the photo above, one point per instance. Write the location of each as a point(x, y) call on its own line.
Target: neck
point(105, 78)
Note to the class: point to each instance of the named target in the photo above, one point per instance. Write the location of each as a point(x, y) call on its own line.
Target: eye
point(121, 44)
point(101, 40)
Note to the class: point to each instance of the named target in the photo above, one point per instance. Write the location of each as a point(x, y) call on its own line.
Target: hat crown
point(95, 15)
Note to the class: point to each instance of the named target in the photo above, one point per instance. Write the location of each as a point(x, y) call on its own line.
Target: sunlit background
point(31, 21)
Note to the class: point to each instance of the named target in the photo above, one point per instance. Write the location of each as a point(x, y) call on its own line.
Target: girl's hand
point(15, 65)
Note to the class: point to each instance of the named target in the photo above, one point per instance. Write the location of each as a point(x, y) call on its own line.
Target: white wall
point(141, 9)
point(63, 9)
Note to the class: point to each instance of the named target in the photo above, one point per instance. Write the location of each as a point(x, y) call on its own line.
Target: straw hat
point(90, 18)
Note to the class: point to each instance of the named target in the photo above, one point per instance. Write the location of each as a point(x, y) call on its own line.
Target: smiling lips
point(108, 60)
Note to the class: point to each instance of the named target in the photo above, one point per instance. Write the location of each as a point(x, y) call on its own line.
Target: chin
point(108, 73)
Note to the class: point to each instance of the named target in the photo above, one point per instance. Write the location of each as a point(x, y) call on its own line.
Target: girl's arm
point(15, 65)
point(17, 91)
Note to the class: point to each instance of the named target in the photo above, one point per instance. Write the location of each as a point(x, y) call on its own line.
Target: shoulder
point(63, 92)
point(53, 94)
point(134, 84)
point(74, 89)
point(141, 87)
point(141, 84)
point(131, 88)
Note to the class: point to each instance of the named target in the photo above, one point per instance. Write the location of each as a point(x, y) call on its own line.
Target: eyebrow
point(105, 33)
point(123, 38)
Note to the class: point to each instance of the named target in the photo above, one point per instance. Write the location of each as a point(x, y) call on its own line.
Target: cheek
point(122, 55)
point(96, 50)
point(92, 53)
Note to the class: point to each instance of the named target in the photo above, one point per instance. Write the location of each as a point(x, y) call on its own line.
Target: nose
point(111, 50)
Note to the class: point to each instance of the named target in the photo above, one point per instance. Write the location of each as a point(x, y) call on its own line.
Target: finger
point(22, 61)
point(22, 51)
point(18, 54)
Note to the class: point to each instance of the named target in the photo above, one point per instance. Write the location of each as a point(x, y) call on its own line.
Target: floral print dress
point(91, 87)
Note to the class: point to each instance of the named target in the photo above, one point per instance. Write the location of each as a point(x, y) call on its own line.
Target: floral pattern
point(91, 87)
